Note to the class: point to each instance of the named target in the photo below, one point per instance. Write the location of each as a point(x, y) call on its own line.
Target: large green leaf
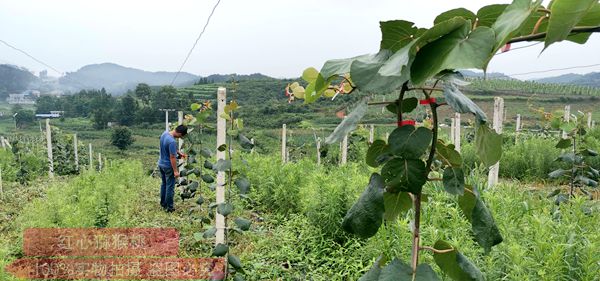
point(488, 144)
point(375, 152)
point(222, 165)
point(455, 264)
point(454, 180)
point(364, 71)
point(405, 174)
point(482, 223)
point(557, 173)
point(386, 76)
point(374, 272)
point(242, 223)
point(220, 250)
point(512, 19)
point(397, 270)
point(461, 103)
point(458, 12)
point(447, 154)
point(349, 123)
point(245, 143)
point(408, 105)
point(396, 34)
point(310, 74)
point(224, 209)
point(366, 215)
point(565, 15)
point(396, 204)
point(460, 49)
point(400, 271)
point(409, 142)
point(243, 184)
point(235, 262)
point(341, 66)
point(587, 181)
point(591, 18)
point(564, 143)
point(487, 15)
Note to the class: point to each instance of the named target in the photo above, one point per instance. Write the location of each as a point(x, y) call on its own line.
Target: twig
point(436, 250)
point(381, 102)
point(427, 89)
point(575, 30)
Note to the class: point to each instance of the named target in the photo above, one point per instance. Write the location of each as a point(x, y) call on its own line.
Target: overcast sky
point(275, 37)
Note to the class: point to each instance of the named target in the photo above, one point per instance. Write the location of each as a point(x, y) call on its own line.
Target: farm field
point(464, 149)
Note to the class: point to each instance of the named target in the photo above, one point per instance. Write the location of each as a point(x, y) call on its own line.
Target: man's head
point(180, 131)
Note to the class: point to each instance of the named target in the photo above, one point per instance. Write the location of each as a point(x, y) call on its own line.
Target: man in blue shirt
point(167, 164)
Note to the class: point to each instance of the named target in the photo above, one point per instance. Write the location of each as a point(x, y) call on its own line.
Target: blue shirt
point(168, 147)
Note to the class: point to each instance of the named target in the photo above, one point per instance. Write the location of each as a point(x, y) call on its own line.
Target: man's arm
point(173, 158)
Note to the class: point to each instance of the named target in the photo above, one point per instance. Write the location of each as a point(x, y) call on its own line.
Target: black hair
point(182, 129)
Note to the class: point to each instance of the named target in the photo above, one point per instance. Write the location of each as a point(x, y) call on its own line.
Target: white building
point(19, 99)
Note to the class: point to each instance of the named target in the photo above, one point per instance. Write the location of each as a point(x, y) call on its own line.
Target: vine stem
point(573, 167)
point(436, 250)
point(575, 30)
point(417, 197)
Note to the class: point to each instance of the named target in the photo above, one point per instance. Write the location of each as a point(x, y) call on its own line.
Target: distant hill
point(117, 79)
point(14, 80)
point(218, 78)
point(591, 79)
point(469, 73)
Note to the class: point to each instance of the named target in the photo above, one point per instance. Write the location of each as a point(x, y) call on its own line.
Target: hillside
point(14, 79)
point(590, 79)
point(117, 79)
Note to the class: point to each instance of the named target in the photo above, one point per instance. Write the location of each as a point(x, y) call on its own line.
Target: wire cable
point(196, 42)
point(522, 47)
point(30, 56)
point(554, 69)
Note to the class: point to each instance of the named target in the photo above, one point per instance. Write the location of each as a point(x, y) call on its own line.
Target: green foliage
point(122, 137)
point(366, 215)
point(23, 117)
point(453, 263)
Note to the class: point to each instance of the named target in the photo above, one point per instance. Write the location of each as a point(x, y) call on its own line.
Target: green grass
point(296, 216)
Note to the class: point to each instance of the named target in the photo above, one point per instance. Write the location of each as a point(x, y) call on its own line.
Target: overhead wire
point(32, 57)
point(196, 42)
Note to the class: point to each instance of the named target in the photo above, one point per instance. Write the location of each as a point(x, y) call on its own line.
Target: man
point(167, 164)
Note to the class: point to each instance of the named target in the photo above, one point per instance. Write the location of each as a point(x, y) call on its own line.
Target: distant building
point(20, 99)
point(47, 115)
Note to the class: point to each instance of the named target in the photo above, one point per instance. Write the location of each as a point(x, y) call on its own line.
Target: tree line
point(134, 108)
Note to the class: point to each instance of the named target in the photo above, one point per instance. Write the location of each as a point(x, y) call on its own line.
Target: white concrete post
point(2, 143)
point(372, 134)
point(452, 127)
point(220, 189)
point(252, 142)
point(566, 118)
point(91, 153)
point(589, 120)
point(518, 126)
point(283, 144)
point(498, 112)
point(166, 120)
point(49, 148)
point(318, 151)
point(180, 122)
point(345, 150)
point(457, 132)
point(99, 161)
point(1, 188)
point(76, 152)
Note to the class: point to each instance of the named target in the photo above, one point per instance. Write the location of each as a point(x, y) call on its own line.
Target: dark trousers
point(167, 188)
